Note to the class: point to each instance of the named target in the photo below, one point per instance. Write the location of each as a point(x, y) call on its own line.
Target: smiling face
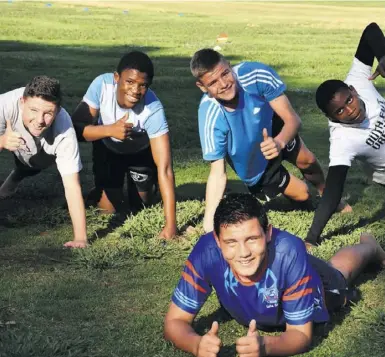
point(346, 107)
point(219, 83)
point(37, 114)
point(132, 86)
point(244, 247)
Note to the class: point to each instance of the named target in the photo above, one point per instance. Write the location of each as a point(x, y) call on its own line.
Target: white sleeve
point(341, 150)
point(358, 75)
point(67, 150)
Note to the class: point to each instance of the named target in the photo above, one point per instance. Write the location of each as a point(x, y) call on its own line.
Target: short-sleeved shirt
point(237, 135)
point(364, 141)
point(147, 116)
point(57, 144)
point(289, 290)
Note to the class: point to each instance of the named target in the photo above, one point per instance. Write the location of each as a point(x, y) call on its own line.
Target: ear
point(216, 239)
point(116, 77)
point(201, 86)
point(269, 233)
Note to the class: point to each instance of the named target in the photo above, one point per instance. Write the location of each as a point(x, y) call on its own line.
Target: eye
point(129, 81)
point(350, 100)
point(339, 111)
point(144, 86)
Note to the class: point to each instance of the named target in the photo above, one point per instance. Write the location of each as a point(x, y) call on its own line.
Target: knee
point(307, 161)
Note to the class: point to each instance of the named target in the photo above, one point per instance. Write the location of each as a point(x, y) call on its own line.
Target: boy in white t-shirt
point(127, 125)
point(356, 113)
point(39, 132)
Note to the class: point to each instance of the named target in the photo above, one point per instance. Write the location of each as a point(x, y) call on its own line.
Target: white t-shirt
point(364, 141)
point(147, 116)
point(58, 143)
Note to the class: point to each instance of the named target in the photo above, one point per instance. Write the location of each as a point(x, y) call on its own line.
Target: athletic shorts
point(110, 169)
point(25, 170)
point(335, 286)
point(276, 178)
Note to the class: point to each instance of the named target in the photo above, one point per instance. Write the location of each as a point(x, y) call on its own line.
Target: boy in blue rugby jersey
point(246, 119)
point(265, 279)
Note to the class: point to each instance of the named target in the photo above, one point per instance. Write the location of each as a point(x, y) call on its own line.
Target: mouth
point(245, 263)
point(132, 99)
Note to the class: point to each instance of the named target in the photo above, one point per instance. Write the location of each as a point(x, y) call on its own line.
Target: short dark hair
point(204, 61)
point(326, 92)
point(44, 87)
point(136, 60)
point(236, 208)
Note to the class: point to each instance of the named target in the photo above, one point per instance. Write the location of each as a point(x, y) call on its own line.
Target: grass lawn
point(110, 299)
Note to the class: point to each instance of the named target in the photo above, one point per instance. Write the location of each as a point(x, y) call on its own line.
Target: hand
point(270, 147)
point(168, 232)
point(76, 244)
point(380, 70)
point(121, 130)
point(252, 344)
point(210, 343)
point(11, 140)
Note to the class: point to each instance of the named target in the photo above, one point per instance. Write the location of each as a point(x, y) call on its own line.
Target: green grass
point(110, 299)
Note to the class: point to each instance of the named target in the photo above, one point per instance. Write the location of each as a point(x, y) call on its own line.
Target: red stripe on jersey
point(297, 295)
point(191, 281)
point(297, 284)
point(191, 267)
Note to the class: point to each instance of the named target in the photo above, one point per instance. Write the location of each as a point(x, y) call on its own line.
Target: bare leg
point(297, 190)
point(310, 168)
point(350, 261)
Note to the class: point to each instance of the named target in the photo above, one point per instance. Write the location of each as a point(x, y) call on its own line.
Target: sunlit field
point(110, 299)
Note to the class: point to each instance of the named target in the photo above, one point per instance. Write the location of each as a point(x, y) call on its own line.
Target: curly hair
point(44, 87)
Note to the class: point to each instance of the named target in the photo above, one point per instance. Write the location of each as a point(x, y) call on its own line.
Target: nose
point(40, 118)
point(222, 82)
point(349, 109)
point(244, 251)
point(135, 88)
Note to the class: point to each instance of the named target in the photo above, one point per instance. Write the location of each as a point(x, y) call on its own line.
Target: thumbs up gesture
point(270, 147)
point(250, 345)
point(210, 343)
point(121, 130)
point(11, 140)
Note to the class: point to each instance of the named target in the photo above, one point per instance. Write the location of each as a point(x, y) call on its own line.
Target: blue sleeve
point(212, 131)
point(156, 125)
point(193, 288)
point(260, 79)
point(302, 286)
point(92, 96)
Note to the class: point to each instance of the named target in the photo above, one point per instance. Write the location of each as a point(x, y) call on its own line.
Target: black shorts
point(110, 169)
point(334, 283)
point(25, 170)
point(276, 178)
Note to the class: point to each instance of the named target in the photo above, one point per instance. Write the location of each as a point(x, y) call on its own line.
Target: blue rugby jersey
point(237, 135)
point(288, 291)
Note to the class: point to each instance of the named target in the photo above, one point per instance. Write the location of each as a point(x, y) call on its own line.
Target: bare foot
point(367, 238)
point(309, 246)
point(344, 207)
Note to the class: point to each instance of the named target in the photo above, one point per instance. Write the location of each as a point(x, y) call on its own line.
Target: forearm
point(77, 210)
point(215, 188)
point(287, 344)
point(334, 188)
point(289, 131)
point(96, 132)
point(182, 335)
point(372, 44)
point(167, 191)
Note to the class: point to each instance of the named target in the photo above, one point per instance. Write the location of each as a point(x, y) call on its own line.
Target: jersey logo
point(137, 177)
point(291, 145)
point(269, 289)
point(256, 110)
point(230, 282)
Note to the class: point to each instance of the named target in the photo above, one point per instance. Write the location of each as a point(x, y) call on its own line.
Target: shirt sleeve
point(156, 125)
point(341, 151)
point(261, 79)
point(300, 286)
point(193, 288)
point(67, 151)
point(92, 96)
point(212, 132)
point(358, 75)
